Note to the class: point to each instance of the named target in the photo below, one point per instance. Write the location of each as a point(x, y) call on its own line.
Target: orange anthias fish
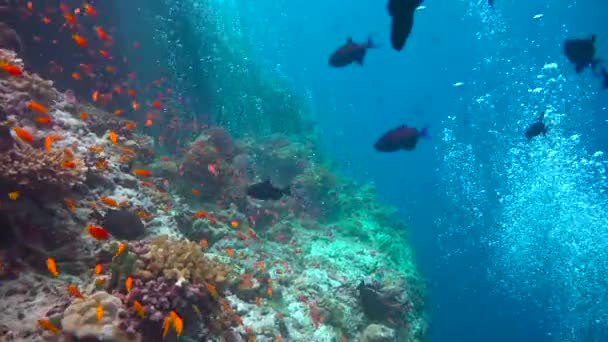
point(113, 137)
point(167, 159)
point(178, 323)
point(37, 107)
point(200, 214)
point(80, 40)
point(74, 291)
point(139, 309)
point(230, 252)
point(269, 292)
point(129, 284)
point(70, 203)
point(102, 34)
point(166, 326)
point(98, 269)
point(196, 192)
point(121, 249)
point(84, 116)
point(99, 312)
point(212, 290)
point(23, 134)
point(205, 244)
point(142, 173)
point(130, 125)
point(11, 69)
point(50, 264)
point(234, 224)
point(97, 233)
point(89, 10)
point(69, 164)
point(149, 123)
point(14, 195)
point(48, 143)
point(47, 325)
point(43, 120)
point(76, 76)
point(95, 96)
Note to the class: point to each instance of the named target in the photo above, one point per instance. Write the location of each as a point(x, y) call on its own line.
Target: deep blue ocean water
point(472, 296)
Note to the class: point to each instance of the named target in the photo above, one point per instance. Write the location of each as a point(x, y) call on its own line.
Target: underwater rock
point(377, 333)
point(378, 305)
point(80, 319)
point(123, 224)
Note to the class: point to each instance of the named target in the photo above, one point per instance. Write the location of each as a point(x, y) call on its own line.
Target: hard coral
point(32, 168)
point(16, 91)
point(80, 319)
point(180, 260)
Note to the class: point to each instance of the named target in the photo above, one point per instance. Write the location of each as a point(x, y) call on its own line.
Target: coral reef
point(81, 322)
point(178, 260)
point(31, 168)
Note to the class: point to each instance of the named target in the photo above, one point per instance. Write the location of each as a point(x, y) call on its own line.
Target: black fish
point(400, 138)
point(537, 128)
point(581, 52)
point(402, 12)
point(266, 191)
point(491, 3)
point(605, 76)
point(349, 53)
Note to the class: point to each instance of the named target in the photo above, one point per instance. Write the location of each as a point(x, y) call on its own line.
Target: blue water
point(471, 295)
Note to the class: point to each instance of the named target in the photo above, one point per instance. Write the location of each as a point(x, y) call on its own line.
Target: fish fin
point(359, 61)
point(425, 132)
point(349, 40)
point(580, 68)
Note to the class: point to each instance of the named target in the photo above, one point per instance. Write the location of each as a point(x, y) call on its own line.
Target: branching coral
point(177, 260)
point(33, 168)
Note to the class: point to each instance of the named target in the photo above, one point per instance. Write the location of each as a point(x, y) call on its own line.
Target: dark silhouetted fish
point(400, 138)
point(349, 53)
point(402, 12)
point(491, 3)
point(537, 128)
point(581, 52)
point(266, 191)
point(605, 76)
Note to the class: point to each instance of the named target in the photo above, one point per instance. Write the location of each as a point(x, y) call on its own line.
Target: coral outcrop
point(80, 320)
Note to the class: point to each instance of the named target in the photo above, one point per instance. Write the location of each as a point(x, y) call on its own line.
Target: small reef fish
point(13, 195)
point(37, 107)
point(200, 214)
point(178, 323)
point(23, 134)
point(537, 128)
point(50, 264)
point(139, 309)
point(581, 53)
point(89, 10)
point(212, 290)
point(129, 284)
point(98, 269)
point(43, 120)
point(113, 137)
point(76, 76)
point(74, 291)
point(605, 77)
point(69, 164)
point(109, 202)
point(99, 312)
point(400, 138)
point(204, 244)
point(95, 96)
point(142, 173)
point(84, 116)
point(491, 3)
point(350, 53)
point(402, 13)
point(48, 143)
point(230, 252)
point(47, 325)
point(266, 191)
point(234, 224)
point(121, 249)
point(97, 233)
point(71, 204)
point(166, 326)
point(102, 34)
point(269, 291)
point(196, 192)
point(80, 40)
point(11, 69)
point(130, 125)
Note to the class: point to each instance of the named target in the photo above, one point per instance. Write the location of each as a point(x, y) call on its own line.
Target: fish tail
point(425, 132)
